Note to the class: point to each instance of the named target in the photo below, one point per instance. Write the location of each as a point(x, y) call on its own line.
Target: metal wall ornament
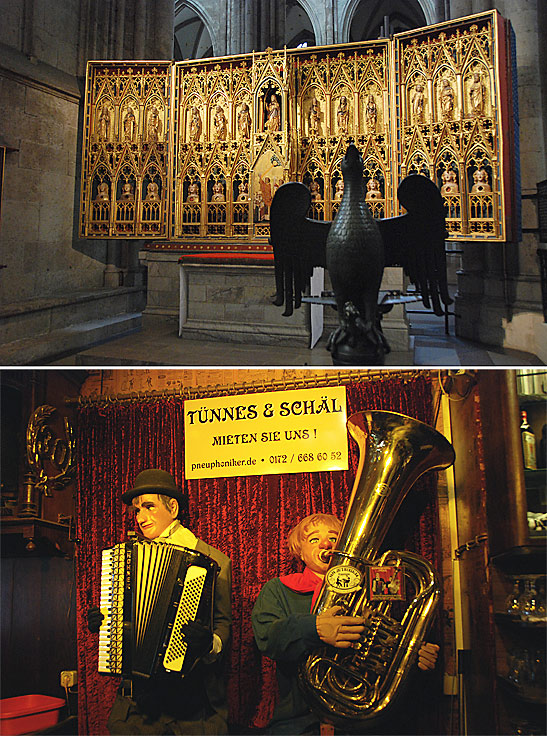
point(51, 459)
point(189, 154)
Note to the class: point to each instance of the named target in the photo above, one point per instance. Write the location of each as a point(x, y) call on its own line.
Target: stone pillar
point(120, 30)
point(28, 28)
point(499, 288)
point(250, 25)
point(460, 8)
point(329, 21)
point(479, 6)
point(113, 274)
point(165, 29)
point(132, 273)
point(140, 29)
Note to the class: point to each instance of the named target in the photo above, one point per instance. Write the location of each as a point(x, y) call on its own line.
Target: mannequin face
point(313, 541)
point(152, 516)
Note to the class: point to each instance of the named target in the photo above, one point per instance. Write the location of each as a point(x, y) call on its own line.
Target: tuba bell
point(360, 685)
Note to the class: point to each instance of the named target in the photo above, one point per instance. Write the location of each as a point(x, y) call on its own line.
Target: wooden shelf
point(530, 695)
point(33, 537)
point(505, 618)
point(525, 560)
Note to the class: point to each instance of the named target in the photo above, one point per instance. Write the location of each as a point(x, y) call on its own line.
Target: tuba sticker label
point(344, 579)
point(386, 583)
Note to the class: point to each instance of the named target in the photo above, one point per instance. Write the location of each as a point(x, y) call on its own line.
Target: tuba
point(360, 685)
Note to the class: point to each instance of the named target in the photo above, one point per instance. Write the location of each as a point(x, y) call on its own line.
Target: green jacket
point(285, 631)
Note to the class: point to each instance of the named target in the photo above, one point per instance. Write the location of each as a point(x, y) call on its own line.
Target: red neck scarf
point(303, 582)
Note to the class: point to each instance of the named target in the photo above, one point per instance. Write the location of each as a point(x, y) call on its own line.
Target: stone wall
point(39, 119)
point(499, 291)
point(39, 194)
point(44, 48)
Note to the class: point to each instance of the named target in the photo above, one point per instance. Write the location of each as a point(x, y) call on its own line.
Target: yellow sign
point(268, 433)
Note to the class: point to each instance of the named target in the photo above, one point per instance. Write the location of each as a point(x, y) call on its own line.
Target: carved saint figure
point(342, 115)
point(273, 122)
point(315, 189)
point(243, 189)
point(373, 189)
point(450, 182)
point(104, 124)
point(476, 95)
point(127, 192)
point(103, 192)
point(244, 121)
point(481, 185)
point(417, 100)
point(266, 197)
point(447, 100)
point(193, 192)
point(218, 192)
point(220, 124)
point(195, 124)
point(371, 114)
point(339, 190)
point(154, 125)
point(129, 125)
point(314, 118)
point(152, 192)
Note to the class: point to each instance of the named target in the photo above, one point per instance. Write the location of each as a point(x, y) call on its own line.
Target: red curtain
point(248, 518)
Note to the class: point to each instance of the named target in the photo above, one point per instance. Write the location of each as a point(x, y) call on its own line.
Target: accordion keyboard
point(111, 605)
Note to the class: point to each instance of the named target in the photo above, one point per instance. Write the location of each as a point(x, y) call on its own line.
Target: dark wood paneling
point(38, 624)
point(471, 508)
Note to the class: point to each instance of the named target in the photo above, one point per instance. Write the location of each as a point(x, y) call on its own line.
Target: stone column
point(499, 290)
point(132, 273)
point(479, 6)
point(28, 28)
point(113, 274)
point(120, 30)
point(250, 26)
point(140, 29)
point(164, 23)
point(460, 8)
point(330, 19)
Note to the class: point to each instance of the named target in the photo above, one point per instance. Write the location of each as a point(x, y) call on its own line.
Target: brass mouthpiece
point(325, 555)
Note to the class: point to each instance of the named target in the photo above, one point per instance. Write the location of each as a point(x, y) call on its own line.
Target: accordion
point(149, 590)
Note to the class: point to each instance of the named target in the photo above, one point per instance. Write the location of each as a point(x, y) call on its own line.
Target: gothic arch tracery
point(347, 15)
point(319, 30)
point(204, 16)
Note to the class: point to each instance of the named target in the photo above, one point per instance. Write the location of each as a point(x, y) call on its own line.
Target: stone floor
point(158, 344)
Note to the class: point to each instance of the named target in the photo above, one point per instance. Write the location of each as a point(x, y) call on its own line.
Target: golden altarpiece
point(188, 155)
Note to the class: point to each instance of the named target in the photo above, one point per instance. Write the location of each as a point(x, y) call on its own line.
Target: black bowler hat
point(155, 481)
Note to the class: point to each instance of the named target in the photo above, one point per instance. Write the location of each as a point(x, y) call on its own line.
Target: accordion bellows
point(149, 590)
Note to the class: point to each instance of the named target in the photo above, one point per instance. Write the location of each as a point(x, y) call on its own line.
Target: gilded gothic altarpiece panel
point(188, 155)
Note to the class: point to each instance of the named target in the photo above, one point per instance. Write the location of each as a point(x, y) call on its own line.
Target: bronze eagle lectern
point(355, 248)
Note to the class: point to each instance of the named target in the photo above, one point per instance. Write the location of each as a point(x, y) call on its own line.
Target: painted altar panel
point(456, 121)
point(188, 155)
point(231, 146)
point(125, 165)
point(343, 94)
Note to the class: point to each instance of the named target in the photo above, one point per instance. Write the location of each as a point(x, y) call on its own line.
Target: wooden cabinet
point(520, 640)
point(494, 544)
point(520, 570)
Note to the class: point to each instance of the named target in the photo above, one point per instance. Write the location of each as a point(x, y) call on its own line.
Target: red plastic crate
point(28, 713)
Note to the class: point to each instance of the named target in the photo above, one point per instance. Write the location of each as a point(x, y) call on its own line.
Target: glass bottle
point(538, 669)
point(540, 612)
point(528, 439)
point(512, 601)
point(527, 601)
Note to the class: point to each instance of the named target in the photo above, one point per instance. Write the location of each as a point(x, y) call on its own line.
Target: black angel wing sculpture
point(355, 248)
